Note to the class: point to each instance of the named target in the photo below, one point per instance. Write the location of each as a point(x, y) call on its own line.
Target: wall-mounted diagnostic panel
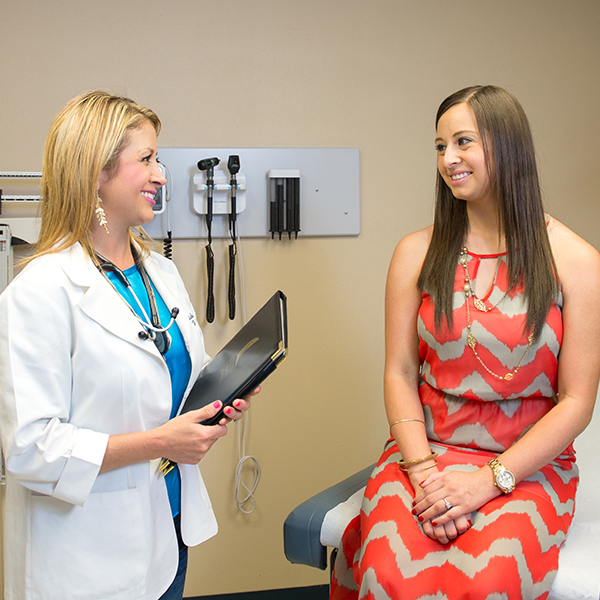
point(281, 193)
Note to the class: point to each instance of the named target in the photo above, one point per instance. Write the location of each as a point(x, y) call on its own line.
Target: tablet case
point(244, 363)
point(246, 360)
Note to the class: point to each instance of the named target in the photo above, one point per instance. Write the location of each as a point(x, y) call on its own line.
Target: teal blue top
point(177, 358)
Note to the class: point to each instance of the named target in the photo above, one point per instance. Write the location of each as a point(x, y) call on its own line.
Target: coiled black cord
point(168, 246)
point(231, 290)
point(210, 294)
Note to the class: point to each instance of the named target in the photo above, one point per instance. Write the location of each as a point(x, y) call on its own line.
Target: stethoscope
point(152, 329)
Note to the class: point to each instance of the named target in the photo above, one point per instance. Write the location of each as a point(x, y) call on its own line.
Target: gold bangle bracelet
point(406, 421)
point(416, 461)
point(420, 469)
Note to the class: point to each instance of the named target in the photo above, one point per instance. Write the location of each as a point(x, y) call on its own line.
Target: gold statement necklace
point(480, 305)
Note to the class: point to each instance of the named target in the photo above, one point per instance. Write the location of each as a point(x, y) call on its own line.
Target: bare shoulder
point(413, 247)
point(576, 259)
point(408, 257)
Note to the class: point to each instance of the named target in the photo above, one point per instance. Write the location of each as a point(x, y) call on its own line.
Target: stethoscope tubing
point(146, 322)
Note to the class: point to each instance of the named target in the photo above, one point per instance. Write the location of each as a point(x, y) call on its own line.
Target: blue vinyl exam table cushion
point(302, 528)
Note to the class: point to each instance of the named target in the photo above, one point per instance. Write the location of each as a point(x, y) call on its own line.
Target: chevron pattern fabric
point(511, 551)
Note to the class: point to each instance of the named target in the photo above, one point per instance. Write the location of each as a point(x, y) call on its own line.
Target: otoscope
point(233, 166)
point(208, 165)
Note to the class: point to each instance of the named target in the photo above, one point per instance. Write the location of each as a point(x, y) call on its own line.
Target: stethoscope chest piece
point(161, 339)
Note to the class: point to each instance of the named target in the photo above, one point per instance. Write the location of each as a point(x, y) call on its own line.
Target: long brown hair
point(510, 159)
point(86, 137)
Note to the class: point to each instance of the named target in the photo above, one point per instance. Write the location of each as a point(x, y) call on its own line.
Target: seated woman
point(492, 369)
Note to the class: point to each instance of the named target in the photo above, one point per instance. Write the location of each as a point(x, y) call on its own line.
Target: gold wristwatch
point(504, 479)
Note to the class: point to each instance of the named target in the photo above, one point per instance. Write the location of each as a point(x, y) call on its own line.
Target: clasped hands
point(465, 492)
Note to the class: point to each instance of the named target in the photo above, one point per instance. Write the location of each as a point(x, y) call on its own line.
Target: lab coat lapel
point(100, 301)
point(104, 305)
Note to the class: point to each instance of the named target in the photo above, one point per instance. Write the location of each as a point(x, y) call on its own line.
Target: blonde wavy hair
point(86, 137)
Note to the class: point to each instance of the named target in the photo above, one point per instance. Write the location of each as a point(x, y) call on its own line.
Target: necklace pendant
point(480, 305)
point(508, 376)
point(471, 341)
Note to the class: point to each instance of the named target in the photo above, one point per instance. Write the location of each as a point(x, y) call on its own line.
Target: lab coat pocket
point(94, 551)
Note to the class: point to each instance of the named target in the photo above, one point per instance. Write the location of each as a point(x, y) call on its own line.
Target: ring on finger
point(447, 504)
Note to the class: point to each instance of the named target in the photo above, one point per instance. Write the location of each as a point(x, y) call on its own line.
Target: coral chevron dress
point(511, 551)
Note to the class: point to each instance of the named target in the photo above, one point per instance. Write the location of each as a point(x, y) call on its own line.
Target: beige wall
point(263, 73)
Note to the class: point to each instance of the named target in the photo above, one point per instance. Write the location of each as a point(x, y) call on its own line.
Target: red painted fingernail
point(217, 404)
point(434, 523)
point(420, 519)
point(414, 503)
point(422, 482)
point(469, 522)
point(414, 511)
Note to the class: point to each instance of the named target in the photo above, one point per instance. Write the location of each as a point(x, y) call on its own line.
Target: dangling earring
point(100, 213)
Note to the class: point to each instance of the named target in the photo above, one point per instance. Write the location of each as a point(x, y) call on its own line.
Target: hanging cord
point(210, 257)
point(210, 269)
point(243, 458)
point(208, 165)
point(168, 245)
point(231, 290)
point(233, 166)
point(241, 271)
point(168, 189)
point(243, 425)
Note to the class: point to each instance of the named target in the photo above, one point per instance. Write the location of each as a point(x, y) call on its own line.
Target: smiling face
point(461, 156)
point(128, 194)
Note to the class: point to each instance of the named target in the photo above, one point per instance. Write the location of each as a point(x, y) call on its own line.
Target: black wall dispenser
point(284, 202)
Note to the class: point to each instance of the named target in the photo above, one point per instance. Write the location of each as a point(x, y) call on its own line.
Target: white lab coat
point(73, 371)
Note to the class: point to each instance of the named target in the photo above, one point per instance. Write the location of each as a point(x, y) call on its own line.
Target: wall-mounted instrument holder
point(284, 202)
point(221, 201)
point(329, 192)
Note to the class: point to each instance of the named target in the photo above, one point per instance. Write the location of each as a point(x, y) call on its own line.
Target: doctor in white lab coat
point(84, 400)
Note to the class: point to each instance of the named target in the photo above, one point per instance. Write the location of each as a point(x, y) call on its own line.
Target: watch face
point(505, 480)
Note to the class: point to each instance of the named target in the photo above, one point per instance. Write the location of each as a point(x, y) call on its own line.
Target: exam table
point(317, 524)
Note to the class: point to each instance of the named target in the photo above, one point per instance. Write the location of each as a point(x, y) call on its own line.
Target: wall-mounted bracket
point(221, 193)
point(330, 191)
